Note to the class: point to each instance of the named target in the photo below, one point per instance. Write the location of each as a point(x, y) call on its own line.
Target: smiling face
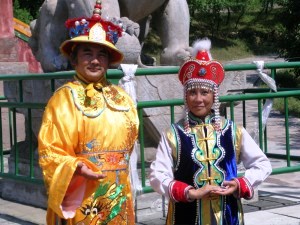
point(200, 101)
point(91, 61)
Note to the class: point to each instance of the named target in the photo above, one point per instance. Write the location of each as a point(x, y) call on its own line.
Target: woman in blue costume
point(196, 160)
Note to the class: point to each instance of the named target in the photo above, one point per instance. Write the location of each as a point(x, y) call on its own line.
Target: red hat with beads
point(200, 67)
point(200, 71)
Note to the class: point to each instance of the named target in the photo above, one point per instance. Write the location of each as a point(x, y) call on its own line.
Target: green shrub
point(288, 79)
point(293, 106)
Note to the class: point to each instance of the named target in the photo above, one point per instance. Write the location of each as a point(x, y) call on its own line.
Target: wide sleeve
point(257, 165)
point(161, 169)
point(57, 141)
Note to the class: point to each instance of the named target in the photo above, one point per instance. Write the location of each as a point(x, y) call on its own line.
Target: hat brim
point(116, 56)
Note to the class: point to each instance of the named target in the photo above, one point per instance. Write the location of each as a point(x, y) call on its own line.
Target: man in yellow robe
point(88, 132)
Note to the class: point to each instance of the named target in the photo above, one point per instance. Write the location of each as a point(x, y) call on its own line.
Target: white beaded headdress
point(201, 71)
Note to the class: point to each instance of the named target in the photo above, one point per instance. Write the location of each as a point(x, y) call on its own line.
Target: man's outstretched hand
point(83, 170)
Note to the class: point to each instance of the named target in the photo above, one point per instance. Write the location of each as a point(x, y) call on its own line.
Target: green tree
point(208, 13)
point(21, 13)
point(289, 38)
point(216, 15)
point(289, 41)
point(26, 10)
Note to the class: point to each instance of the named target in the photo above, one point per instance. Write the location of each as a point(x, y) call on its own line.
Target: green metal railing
point(114, 75)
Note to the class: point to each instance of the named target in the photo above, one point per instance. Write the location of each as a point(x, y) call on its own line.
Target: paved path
point(279, 204)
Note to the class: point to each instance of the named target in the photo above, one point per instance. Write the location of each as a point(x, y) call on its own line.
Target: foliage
point(30, 6)
point(289, 38)
point(288, 79)
point(21, 13)
point(26, 10)
point(252, 23)
point(293, 106)
point(209, 12)
point(289, 43)
point(289, 32)
point(240, 27)
point(218, 15)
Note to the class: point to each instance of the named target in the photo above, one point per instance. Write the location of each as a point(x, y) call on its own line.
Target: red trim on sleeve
point(245, 188)
point(178, 191)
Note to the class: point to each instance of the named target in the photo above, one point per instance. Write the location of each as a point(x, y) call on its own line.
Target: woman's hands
point(204, 192)
point(83, 170)
point(228, 188)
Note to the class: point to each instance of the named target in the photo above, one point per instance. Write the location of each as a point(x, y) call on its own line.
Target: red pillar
point(6, 19)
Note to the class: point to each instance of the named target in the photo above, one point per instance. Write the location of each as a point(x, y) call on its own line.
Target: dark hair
point(73, 54)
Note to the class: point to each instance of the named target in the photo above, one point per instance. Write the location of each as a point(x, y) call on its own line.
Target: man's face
point(91, 61)
point(199, 102)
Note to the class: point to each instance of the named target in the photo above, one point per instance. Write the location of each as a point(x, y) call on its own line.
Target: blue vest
point(202, 157)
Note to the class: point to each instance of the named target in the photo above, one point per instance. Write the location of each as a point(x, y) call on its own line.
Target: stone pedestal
point(8, 50)
point(28, 193)
point(19, 191)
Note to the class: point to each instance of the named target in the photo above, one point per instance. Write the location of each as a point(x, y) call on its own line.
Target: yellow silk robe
point(100, 131)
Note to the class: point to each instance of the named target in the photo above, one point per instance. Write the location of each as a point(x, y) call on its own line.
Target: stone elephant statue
point(171, 18)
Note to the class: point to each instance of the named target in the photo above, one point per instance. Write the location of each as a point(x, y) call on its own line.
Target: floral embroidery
point(114, 95)
point(115, 98)
point(111, 95)
point(113, 158)
point(107, 160)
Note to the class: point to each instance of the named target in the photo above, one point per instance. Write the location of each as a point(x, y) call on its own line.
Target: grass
point(237, 50)
point(293, 106)
point(222, 51)
point(255, 34)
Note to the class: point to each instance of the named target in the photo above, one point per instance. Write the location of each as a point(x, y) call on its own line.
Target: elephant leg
point(111, 9)
point(128, 43)
point(144, 28)
point(173, 25)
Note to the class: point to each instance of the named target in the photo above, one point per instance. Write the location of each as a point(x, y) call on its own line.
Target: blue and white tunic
point(202, 157)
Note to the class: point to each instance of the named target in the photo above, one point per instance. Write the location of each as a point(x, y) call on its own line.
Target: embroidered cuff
point(178, 191)
point(245, 190)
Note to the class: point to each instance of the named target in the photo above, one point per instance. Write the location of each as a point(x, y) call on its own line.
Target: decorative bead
point(202, 72)
point(98, 6)
point(97, 11)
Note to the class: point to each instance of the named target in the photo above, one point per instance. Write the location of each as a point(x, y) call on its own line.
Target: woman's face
point(200, 101)
point(91, 61)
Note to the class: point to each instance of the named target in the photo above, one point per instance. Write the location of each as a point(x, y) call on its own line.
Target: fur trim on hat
point(202, 45)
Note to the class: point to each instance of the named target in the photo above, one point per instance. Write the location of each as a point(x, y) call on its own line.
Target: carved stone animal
point(170, 17)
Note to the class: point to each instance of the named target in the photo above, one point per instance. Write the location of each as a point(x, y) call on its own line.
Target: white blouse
point(257, 165)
